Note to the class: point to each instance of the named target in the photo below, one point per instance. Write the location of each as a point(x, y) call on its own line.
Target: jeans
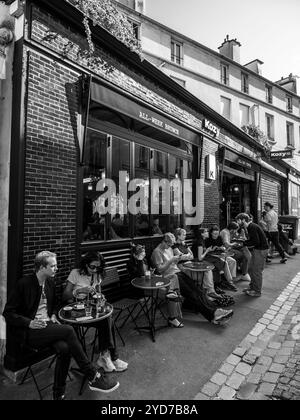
point(66, 344)
point(107, 338)
point(256, 268)
point(274, 238)
point(194, 297)
point(243, 257)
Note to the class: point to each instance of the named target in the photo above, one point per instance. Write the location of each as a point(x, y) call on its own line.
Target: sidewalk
point(266, 364)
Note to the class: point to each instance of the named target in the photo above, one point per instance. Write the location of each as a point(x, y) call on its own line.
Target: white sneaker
point(105, 362)
point(246, 277)
point(120, 365)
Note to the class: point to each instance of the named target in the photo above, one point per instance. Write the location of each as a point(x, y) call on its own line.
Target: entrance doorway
point(238, 196)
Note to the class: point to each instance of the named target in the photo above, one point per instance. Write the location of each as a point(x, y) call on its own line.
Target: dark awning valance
point(112, 99)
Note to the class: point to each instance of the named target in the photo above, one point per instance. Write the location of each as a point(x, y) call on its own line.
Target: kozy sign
point(211, 127)
point(281, 154)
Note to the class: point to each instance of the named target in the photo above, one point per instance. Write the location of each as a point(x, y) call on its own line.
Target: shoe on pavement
point(104, 361)
point(246, 277)
point(222, 314)
point(102, 384)
point(247, 289)
point(172, 295)
point(253, 293)
point(175, 323)
point(228, 286)
point(120, 365)
point(283, 260)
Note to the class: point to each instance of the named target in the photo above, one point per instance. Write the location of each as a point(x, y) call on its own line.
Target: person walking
point(271, 218)
point(258, 246)
point(31, 317)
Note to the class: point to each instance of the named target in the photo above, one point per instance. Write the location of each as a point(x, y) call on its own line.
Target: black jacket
point(256, 237)
point(23, 303)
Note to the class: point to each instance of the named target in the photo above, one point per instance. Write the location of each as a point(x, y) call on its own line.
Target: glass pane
point(188, 193)
point(120, 162)
point(94, 222)
point(160, 196)
point(142, 173)
point(175, 176)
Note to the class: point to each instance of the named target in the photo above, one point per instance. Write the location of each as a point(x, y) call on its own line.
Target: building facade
point(238, 92)
point(80, 129)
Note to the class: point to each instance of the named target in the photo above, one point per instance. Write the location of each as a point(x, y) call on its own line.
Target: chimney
point(230, 49)
point(255, 65)
point(289, 83)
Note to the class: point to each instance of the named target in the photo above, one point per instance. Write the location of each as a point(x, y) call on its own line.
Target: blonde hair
point(178, 232)
point(41, 259)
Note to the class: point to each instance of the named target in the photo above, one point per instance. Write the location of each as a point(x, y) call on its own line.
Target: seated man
point(240, 252)
point(165, 262)
point(31, 313)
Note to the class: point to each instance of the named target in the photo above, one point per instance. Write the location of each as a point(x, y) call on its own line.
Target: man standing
point(258, 245)
point(31, 316)
point(271, 218)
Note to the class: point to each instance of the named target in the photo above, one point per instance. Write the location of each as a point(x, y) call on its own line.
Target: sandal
point(175, 323)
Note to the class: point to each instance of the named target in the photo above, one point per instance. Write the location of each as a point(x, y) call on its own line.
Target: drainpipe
point(6, 61)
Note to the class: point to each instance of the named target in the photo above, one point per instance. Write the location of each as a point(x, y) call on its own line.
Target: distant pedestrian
point(258, 246)
point(271, 218)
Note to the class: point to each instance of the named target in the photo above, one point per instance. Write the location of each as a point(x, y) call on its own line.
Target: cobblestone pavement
point(266, 364)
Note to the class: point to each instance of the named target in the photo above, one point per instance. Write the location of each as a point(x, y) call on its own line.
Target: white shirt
point(82, 280)
point(271, 219)
point(42, 312)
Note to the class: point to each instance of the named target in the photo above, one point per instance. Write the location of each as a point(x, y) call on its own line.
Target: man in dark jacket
point(258, 246)
point(31, 316)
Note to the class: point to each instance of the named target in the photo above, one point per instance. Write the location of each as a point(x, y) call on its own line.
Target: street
point(181, 361)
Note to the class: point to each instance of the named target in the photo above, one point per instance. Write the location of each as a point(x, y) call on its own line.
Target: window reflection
point(142, 173)
point(160, 198)
point(175, 176)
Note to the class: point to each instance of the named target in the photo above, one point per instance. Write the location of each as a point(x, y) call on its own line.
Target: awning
point(241, 161)
point(120, 103)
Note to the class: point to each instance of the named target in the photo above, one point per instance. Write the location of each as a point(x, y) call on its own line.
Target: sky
point(267, 29)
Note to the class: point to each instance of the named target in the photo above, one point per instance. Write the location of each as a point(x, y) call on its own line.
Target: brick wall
point(51, 162)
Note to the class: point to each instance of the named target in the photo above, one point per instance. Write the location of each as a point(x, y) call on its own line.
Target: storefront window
point(142, 173)
point(176, 207)
point(94, 225)
point(159, 196)
point(188, 193)
point(120, 163)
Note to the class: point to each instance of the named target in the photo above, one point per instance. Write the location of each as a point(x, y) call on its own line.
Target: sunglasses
point(94, 267)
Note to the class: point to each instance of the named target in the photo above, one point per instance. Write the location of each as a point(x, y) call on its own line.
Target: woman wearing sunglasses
point(87, 279)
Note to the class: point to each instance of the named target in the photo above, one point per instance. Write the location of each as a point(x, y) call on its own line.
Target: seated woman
point(87, 279)
point(165, 262)
point(211, 250)
point(184, 252)
point(137, 267)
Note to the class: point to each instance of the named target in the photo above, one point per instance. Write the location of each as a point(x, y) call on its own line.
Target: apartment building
point(239, 92)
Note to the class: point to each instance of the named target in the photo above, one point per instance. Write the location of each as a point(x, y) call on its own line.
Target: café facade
point(82, 135)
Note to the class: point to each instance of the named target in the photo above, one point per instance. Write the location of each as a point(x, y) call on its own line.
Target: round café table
point(196, 270)
point(77, 318)
point(152, 285)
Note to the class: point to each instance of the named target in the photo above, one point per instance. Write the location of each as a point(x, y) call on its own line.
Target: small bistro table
point(152, 284)
point(196, 270)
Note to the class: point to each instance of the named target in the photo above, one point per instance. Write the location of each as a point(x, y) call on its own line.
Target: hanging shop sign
point(281, 154)
point(209, 126)
point(211, 167)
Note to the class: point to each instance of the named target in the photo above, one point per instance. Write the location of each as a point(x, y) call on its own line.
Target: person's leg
point(61, 370)
point(256, 269)
point(274, 236)
point(55, 332)
point(232, 266)
point(193, 296)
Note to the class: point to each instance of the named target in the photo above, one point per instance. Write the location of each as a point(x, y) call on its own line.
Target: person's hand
point(54, 319)
point(210, 248)
point(37, 324)
point(176, 258)
point(84, 290)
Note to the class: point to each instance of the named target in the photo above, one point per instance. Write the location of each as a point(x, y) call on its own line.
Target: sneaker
point(228, 286)
point(246, 277)
point(175, 323)
point(247, 289)
point(283, 260)
point(102, 384)
point(253, 293)
point(172, 295)
point(221, 314)
point(104, 361)
point(120, 365)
